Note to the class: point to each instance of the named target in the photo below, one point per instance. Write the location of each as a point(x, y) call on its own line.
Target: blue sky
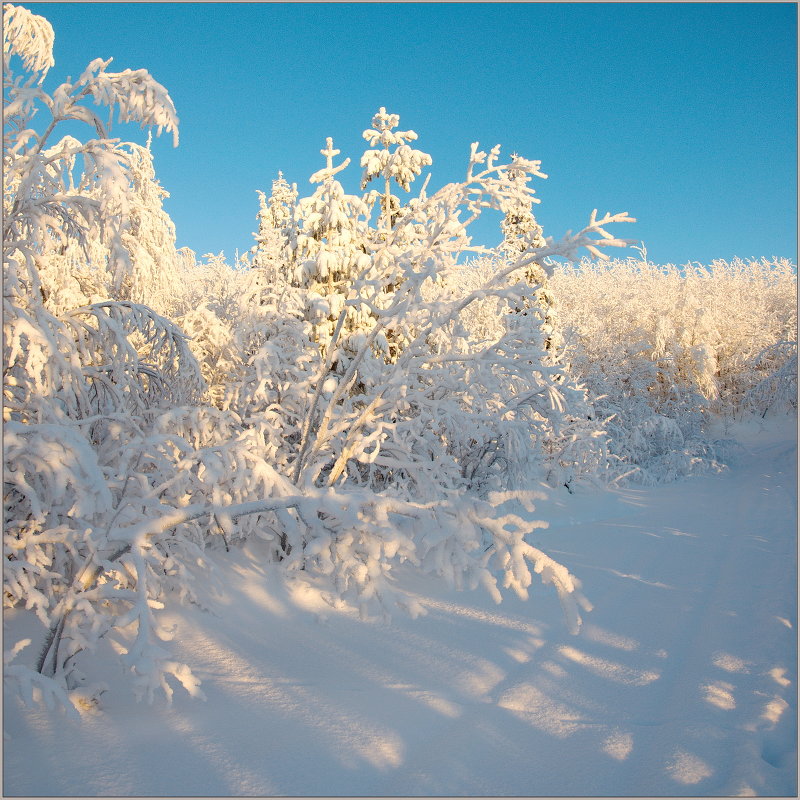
point(684, 115)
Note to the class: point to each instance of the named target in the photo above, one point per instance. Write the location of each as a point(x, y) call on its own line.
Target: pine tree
point(402, 164)
point(276, 220)
point(329, 249)
point(519, 226)
point(392, 159)
point(521, 233)
point(149, 236)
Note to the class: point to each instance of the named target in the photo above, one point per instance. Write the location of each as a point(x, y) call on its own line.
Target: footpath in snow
point(682, 680)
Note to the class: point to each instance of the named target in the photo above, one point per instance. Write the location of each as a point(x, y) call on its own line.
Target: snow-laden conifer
point(329, 247)
point(390, 158)
point(276, 220)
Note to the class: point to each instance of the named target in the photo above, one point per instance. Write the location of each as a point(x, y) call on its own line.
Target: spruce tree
point(402, 164)
point(329, 248)
point(522, 233)
point(276, 221)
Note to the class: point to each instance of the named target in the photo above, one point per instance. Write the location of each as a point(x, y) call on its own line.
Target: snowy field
point(682, 680)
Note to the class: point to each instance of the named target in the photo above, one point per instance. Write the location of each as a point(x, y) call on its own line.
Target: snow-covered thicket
point(662, 350)
point(335, 401)
point(366, 388)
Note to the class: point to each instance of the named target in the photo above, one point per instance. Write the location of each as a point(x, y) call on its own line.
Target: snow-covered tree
point(519, 226)
point(521, 231)
point(276, 221)
point(329, 248)
point(390, 158)
point(429, 373)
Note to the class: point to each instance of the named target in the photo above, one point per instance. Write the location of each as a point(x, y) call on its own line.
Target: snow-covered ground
point(682, 680)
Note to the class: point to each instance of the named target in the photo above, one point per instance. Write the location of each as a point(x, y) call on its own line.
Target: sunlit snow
point(662, 693)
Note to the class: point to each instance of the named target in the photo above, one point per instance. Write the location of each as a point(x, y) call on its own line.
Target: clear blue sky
point(684, 115)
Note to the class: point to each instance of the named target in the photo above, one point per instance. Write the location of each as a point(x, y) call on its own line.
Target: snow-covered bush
point(563, 438)
point(441, 402)
point(85, 370)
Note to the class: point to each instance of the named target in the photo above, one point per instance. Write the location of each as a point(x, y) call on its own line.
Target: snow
point(682, 680)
